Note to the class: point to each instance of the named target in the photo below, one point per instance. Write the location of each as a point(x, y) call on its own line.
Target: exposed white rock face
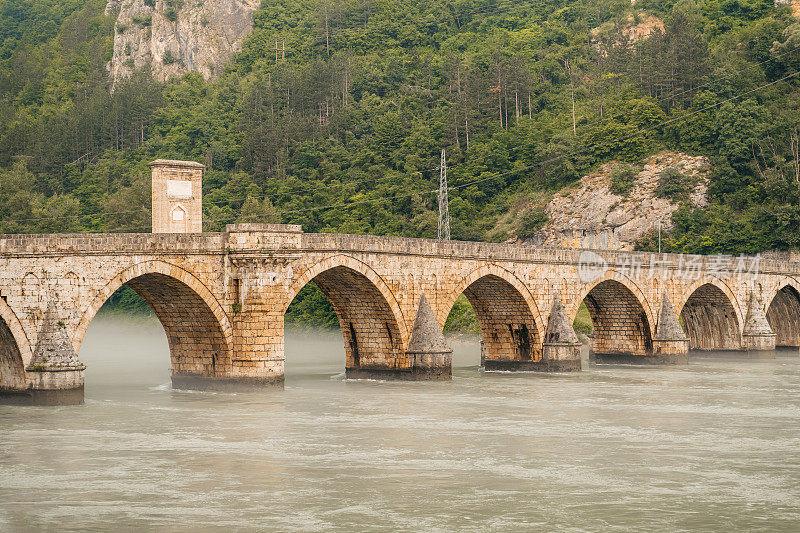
point(177, 36)
point(591, 216)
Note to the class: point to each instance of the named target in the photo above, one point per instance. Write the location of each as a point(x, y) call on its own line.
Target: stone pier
point(670, 343)
point(757, 335)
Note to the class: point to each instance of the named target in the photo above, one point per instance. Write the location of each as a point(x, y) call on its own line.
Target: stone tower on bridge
point(177, 196)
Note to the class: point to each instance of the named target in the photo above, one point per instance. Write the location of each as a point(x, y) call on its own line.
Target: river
point(714, 445)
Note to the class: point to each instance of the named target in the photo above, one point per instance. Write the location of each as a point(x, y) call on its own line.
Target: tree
point(254, 210)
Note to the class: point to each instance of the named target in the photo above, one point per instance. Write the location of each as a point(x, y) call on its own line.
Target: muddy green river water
point(712, 446)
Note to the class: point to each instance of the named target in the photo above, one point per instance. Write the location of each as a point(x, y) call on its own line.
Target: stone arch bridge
point(221, 298)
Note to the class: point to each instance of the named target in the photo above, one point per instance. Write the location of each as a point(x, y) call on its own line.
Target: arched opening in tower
point(619, 323)
point(342, 298)
point(783, 316)
point(710, 321)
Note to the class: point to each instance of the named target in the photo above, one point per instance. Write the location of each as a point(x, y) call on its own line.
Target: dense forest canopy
point(526, 96)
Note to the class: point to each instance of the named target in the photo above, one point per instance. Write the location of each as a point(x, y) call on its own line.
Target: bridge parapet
point(267, 237)
point(262, 237)
point(44, 245)
point(535, 254)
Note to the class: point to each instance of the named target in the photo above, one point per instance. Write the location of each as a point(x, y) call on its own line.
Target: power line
point(550, 160)
point(584, 126)
point(672, 95)
point(220, 202)
point(557, 158)
point(339, 184)
point(740, 71)
point(627, 137)
point(488, 178)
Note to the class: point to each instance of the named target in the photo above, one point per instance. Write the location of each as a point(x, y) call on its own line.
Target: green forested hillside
point(524, 95)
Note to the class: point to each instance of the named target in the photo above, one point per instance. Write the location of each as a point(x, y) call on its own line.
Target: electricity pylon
point(444, 211)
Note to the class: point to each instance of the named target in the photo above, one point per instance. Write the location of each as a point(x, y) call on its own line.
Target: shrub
point(150, 3)
point(311, 309)
point(583, 321)
point(173, 6)
point(532, 222)
point(126, 301)
point(168, 58)
point(673, 184)
point(623, 178)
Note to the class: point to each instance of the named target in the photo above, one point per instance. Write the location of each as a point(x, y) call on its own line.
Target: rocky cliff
point(632, 29)
point(177, 36)
point(591, 215)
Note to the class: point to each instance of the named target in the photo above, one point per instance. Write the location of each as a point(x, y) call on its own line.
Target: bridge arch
point(511, 325)
point(621, 316)
point(711, 315)
point(15, 350)
point(199, 332)
point(371, 320)
point(783, 311)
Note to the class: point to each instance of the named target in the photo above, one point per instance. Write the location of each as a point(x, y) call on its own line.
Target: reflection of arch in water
point(511, 326)
point(711, 318)
point(198, 331)
point(369, 316)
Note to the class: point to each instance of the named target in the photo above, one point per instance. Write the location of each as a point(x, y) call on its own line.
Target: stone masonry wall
point(222, 296)
point(197, 343)
point(509, 329)
point(371, 334)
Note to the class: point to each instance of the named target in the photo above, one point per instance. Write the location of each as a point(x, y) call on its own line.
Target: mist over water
point(714, 445)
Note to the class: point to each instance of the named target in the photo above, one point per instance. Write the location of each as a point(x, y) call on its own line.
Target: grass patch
point(532, 221)
point(144, 22)
point(583, 322)
point(169, 58)
point(462, 318)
